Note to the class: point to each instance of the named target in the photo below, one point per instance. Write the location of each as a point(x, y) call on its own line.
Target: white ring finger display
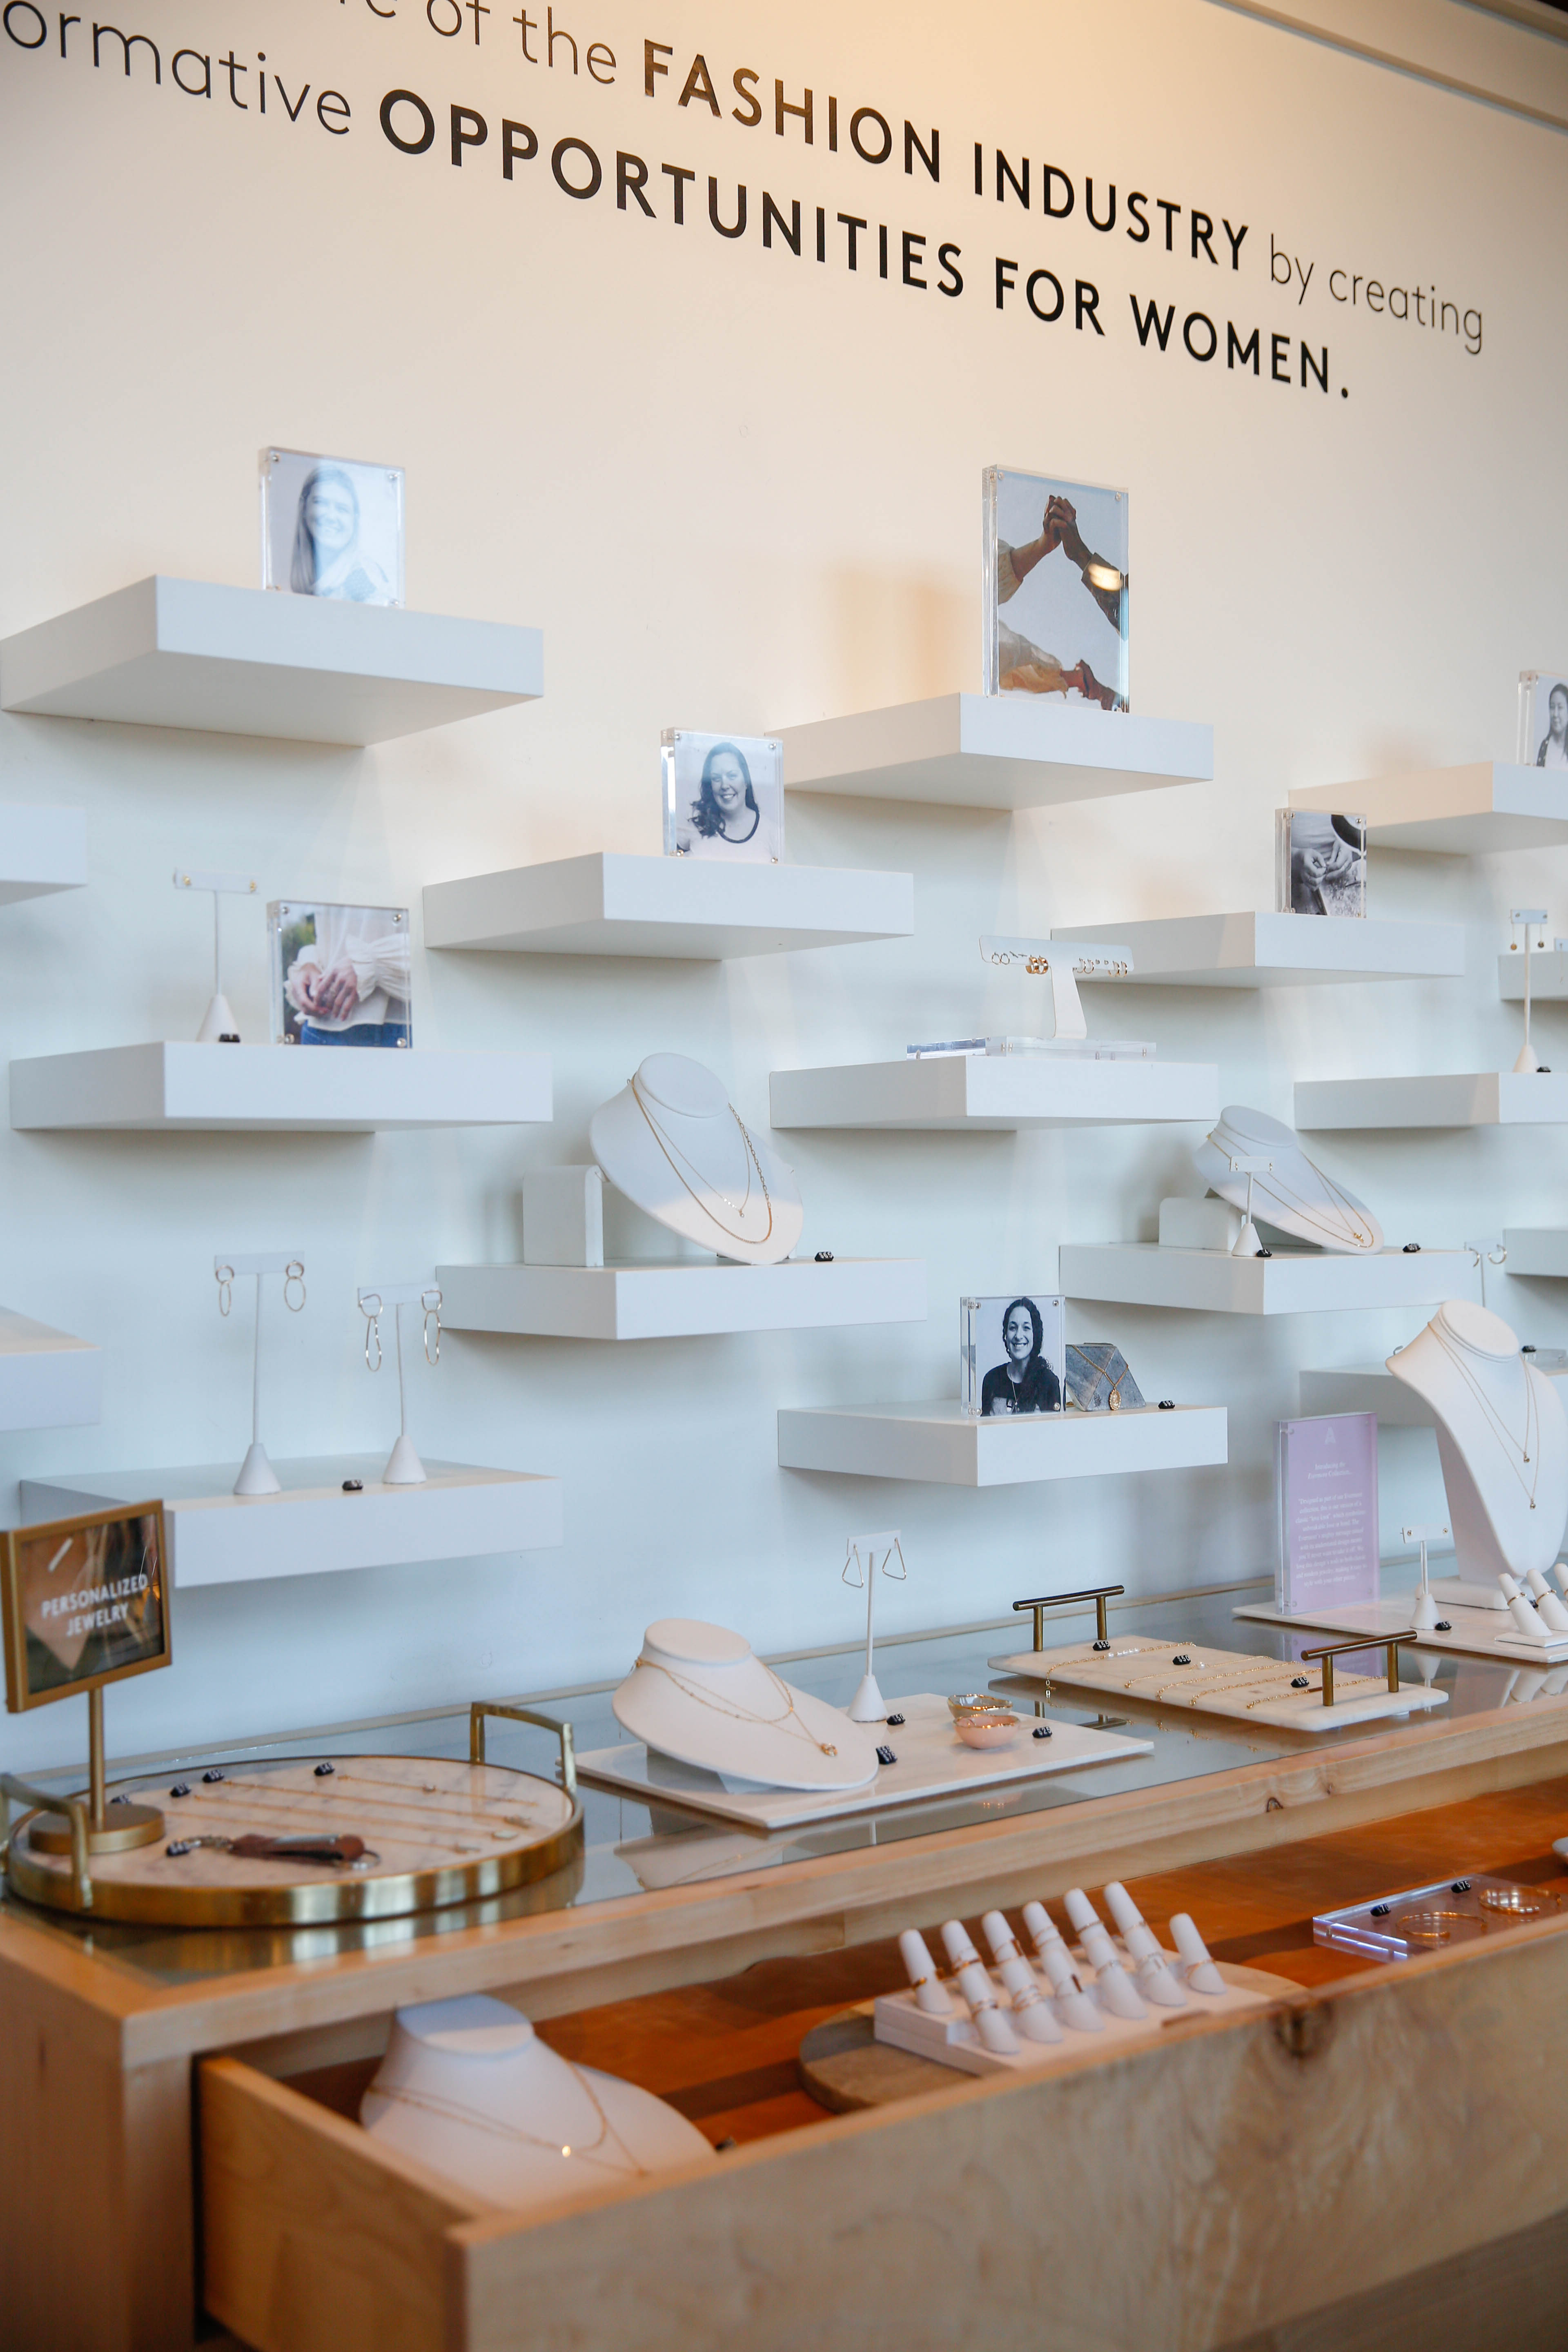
point(1502, 1439)
point(1293, 1195)
point(673, 1142)
point(699, 1694)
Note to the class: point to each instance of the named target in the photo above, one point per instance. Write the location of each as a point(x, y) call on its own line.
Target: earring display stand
point(403, 1467)
point(1528, 1064)
point(219, 1027)
point(868, 1705)
point(257, 1476)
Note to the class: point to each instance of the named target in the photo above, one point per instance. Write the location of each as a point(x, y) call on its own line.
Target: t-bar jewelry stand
point(403, 1467)
point(219, 1027)
point(1424, 1614)
point(1248, 1242)
point(257, 1476)
point(1528, 1064)
point(862, 1567)
point(1099, 1594)
point(1064, 963)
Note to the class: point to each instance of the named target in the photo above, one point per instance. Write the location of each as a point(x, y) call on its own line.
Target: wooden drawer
point(1197, 2193)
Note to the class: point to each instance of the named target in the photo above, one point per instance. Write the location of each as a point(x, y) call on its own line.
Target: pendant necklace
point(788, 1721)
point(1339, 1203)
point(452, 2112)
point(673, 1152)
point(1507, 1442)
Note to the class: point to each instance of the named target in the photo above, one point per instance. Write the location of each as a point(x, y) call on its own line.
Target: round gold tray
point(439, 1832)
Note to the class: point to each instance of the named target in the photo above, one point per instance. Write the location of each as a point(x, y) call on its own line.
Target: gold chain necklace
point(1339, 1199)
point(796, 1729)
point(672, 1150)
point(452, 2112)
point(1506, 1439)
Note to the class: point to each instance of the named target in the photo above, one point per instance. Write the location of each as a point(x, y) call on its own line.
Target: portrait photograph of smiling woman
point(723, 797)
point(331, 527)
point(1012, 1353)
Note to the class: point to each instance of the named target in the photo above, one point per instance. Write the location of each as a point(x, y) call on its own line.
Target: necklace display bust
point(1502, 1440)
point(697, 1692)
point(1294, 1196)
point(672, 1141)
point(467, 2088)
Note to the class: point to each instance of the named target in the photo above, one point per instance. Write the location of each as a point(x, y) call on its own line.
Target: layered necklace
point(451, 2112)
point(1345, 1220)
point(788, 1721)
point(1527, 1447)
point(677, 1158)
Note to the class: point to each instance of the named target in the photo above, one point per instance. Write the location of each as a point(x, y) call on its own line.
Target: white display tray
point(933, 1762)
point(1271, 950)
point(994, 750)
point(1464, 812)
point(245, 661)
point(1477, 1633)
point(1292, 1282)
point(47, 1380)
point(1457, 1099)
point(995, 1092)
point(41, 850)
point(249, 1089)
point(1079, 1666)
point(609, 904)
point(663, 1302)
point(1372, 1388)
point(940, 1444)
point(953, 2041)
point(312, 1527)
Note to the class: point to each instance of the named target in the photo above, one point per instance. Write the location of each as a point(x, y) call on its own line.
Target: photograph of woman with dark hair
point(328, 559)
point(1553, 752)
point(1026, 1382)
point(723, 797)
point(726, 807)
point(331, 527)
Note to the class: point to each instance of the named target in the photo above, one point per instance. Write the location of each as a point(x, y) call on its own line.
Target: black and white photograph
point(723, 797)
point(1055, 590)
point(331, 527)
point(1012, 1353)
point(1543, 720)
point(1322, 863)
point(339, 975)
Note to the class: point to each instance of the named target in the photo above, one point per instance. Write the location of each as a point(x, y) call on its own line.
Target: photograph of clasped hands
point(1077, 607)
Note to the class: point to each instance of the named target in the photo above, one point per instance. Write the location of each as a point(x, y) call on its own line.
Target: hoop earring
point(372, 1331)
point(431, 1303)
point(294, 1273)
point(225, 1276)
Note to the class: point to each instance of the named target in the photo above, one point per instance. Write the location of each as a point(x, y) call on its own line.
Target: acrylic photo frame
point(339, 975)
point(723, 797)
point(1011, 1354)
point(1319, 862)
point(84, 1602)
point(331, 527)
point(1053, 590)
point(1544, 719)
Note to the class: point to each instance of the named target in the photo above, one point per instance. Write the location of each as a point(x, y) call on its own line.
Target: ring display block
point(663, 1302)
point(607, 904)
point(47, 1380)
point(312, 1527)
point(955, 2041)
point(999, 1092)
point(1468, 1098)
point(942, 1445)
point(1266, 951)
point(1477, 1633)
point(1292, 1282)
point(244, 661)
point(930, 1761)
point(41, 850)
point(994, 750)
point(1463, 811)
point(255, 1088)
point(1137, 1666)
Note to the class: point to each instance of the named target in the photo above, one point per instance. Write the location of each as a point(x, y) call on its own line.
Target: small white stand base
point(403, 1467)
point(869, 1705)
point(218, 1022)
point(257, 1476)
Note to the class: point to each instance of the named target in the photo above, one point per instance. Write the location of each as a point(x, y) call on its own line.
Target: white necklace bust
point(697, 1692)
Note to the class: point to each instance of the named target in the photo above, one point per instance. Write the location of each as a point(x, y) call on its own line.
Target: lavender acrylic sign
point(1326, 1483)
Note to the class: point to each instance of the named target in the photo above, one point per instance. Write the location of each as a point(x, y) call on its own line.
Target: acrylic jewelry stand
point(403, 1467)
point(861, 1567)
point(257, 1476)
point(1424, 1616)
point(1248, 1242)
point(219, 1027)
point(1528, 1064)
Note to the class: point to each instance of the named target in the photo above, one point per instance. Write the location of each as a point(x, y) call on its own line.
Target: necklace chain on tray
point(673, 1153)
point(788, 1721)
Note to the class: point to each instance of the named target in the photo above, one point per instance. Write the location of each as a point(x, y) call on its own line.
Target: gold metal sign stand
point(110, 1829)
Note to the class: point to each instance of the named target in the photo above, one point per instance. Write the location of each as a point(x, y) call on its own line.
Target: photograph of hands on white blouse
point(1543, 721)
point(340, 976)
point(1055, 590)
point(723, 797)
point(331, 527)
point(1012, 1353)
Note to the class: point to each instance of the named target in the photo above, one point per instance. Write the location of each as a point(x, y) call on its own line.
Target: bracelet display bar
point(607, 904)
point(247, 661)
point(1462, 811)
point(681, 1301)
point(1548, 977)
point(1540, 1250)
point(930, 1761)
point(47, 1380)
point(41, 850)
point(254, 1089)
point(1460, 1099)
point(1266, 951)
point(1292, 1282)
point(996, 1093)
point(1478, 1632)
point(940, 1445)
point(1136, 1666)
point(994, 750)
point(313, 1528)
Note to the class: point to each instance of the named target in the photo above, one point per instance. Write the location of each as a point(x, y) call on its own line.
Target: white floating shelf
point(258, 1089)
point(1292, 1282)
point(312, 1527)
point(245, 661)
point(1468, 1098)
point(607, 904)
point(994, 750)
point(683, 1301)
point(1263, 950)
point(1464, 812)
point(41, 850)
point(1548, 977)
point(1372, 1388)
point(995, 1092)
point(940, 1445)
point(47, 1380)
point(1536, 1249)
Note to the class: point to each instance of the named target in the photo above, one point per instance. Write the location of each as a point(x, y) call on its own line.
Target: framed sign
point(84, 1602)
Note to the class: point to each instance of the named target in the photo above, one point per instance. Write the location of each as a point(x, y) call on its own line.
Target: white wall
point(739, 489)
